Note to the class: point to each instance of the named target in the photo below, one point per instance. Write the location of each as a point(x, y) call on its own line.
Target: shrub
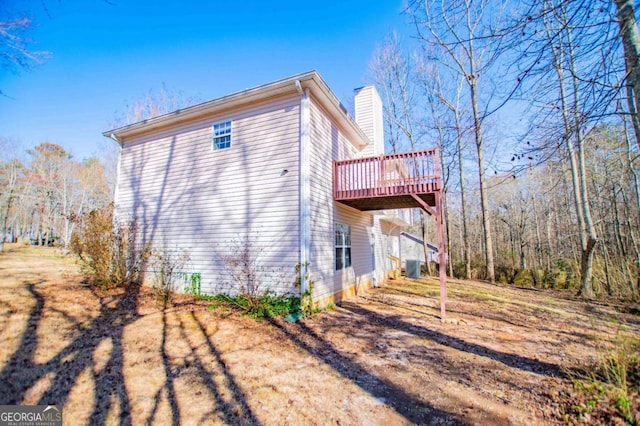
point(267, 305)
point(240, 259)
point(524, 278)
point(167, 267)
point(107, 251)
point(555, 278)
point(251, 283)
point(478, 269)
point(505, 274)
point(538, 276)
point(249, 278)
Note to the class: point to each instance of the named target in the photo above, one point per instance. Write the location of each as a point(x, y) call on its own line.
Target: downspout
point(304, 187)
point(117, 183)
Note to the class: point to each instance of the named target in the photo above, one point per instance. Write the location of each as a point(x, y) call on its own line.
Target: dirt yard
point(506, 357)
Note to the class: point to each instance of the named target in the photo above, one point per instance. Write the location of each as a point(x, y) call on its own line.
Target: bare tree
point(392, 71)
point(454, 107)
point(631, 45)
point(48, 163)
point(15, 53)
point(580, 81)
point(10, 172)
point(463, 31)
point(152, 104)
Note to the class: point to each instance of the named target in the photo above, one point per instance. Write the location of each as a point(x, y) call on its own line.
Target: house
point(278, 178)
point(412, 247)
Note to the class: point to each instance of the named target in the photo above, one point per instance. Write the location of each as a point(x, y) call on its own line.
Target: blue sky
point(105, 55)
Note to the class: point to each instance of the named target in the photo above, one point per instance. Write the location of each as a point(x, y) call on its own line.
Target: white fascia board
point(310, 80)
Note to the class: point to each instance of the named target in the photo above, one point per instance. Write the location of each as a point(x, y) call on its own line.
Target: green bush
point(524, 278)
point(538, 277)
point(531, 278)
point(267, 305)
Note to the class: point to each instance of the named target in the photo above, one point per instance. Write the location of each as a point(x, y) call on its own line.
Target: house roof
point(310, 80)
point(432, 246)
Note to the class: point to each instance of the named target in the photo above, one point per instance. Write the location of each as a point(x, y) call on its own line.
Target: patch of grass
point(551, 302)
point(267, 305)
point(610, 390)
point(474, 293)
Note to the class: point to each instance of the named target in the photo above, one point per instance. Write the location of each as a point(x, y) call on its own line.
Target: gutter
point(312, 82)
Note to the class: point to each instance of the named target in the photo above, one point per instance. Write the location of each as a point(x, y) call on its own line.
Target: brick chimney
point(368, 110)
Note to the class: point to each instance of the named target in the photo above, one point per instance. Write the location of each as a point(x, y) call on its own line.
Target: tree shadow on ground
point(406, 404)
point(232, 410)
point(57, 377)
point(22, 371)
point(511, 360)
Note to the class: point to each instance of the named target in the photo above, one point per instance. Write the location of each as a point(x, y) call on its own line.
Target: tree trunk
point(550, 248)
point(578, 179)
point(466, 244)
point(4, 220)
point(631, 47)
point(636, 186)
point(605, 254)
point(445, 215)
point(425, 247)
point(486, 221)
point(590, 232)
point(586, 262)
point(538, 251)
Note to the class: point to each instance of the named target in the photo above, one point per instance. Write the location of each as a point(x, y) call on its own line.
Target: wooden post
point(442, 267)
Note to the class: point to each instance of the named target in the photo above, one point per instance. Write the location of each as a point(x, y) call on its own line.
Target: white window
point(222, 135)
point(343, 246)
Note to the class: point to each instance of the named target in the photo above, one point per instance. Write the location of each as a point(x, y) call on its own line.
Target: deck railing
point(387, 175)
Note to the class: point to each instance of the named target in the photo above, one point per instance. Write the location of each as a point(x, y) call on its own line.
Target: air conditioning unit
point(413, 268)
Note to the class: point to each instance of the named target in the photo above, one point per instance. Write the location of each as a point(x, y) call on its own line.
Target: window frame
point(342, 245)
point(221, 138)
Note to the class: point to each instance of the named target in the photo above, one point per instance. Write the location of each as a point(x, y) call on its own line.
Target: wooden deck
point(388, 181)
point(396, 181)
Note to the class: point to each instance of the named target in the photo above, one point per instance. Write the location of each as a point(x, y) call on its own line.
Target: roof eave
point(309, 80)
point(330, 101)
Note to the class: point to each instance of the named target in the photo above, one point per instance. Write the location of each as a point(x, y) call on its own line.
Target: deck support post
point(442, 267)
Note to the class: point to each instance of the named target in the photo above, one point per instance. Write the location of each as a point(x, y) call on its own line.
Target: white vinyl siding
point(186, 197)
point(327, 144)
point(368, 110)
